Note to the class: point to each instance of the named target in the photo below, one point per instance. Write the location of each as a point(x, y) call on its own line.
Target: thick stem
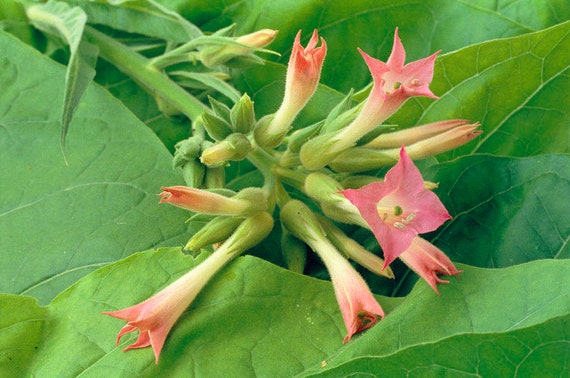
point(138, 68)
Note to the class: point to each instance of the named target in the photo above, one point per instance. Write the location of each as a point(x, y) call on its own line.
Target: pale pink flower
point(303, 75)
point(155, 317)
point(359, 308)
point(393, 84)
point(399, 208)
point(428, 261)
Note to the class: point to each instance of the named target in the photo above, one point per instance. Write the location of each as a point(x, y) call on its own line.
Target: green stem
point(138, 68)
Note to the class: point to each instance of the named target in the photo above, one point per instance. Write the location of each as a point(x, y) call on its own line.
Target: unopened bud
point(193, 173)
point(215, 231)
point(360, 159)
point(242, 115)
point(185, 150)
point(249, 233)
point(234, 148)
point(412, 135)
point(217, 127)
point(301, 221)
point(301, 136)
point(215, 177)
point(294, 252)
point(259, 39)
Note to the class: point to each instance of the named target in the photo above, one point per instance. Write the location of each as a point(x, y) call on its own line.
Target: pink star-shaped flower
point(398, 209)
point(395, 82)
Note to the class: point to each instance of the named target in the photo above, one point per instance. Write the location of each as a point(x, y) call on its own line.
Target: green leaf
point(146, 17)
point(515, 87)
point(253, 311)
point(506, 210)
point(60, 222)
point(60, 19)
point(538, 351)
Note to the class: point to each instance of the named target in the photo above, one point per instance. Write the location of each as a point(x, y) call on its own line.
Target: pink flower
point(399, 208)
point(303, 75)
point(394, 83)
point(427, 261)
point(359, 308)
point(357, 304)
point(155, 317)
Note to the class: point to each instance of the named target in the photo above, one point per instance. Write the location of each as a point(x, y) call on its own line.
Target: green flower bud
point(216, 126)
point(187, 149)
point(215, 231)
point(242, 115)
point(234, 148)
point(294, 252)
point(301, 136)
point(249, 233)
point(220, 109)
point(360, 159)
point(215, 178)
point(301, 221)
point(193, 173)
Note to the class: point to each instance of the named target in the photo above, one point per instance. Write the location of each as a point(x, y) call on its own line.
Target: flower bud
point(234, 148)
point(219, 53)
point(301, 136)
point(242, 115)
point(360, 159)
point(215, 177)
point(301, 221)
point(215, 231)
point(185, 150)
point(215, 126)
point(294, 252)
point(412, 135)
point(249, 233)
point(193, 173)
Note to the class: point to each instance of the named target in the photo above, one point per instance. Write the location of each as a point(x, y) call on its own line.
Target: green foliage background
point(69, 234)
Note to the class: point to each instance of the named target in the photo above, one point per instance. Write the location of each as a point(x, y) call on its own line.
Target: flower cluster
point(320, 161)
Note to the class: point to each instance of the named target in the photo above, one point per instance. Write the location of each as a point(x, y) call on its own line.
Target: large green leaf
point(257, 319)
point(516, 87)
point(506, 210)
point(58, 18)
point(538, 351)
point(60, 222)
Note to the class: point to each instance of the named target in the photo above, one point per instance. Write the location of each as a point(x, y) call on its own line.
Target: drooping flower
point(428, 261)
point(399, 208)
point(303, 75)
point(155, 317)
point(359, 308)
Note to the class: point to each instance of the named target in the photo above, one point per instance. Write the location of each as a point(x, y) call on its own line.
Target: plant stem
point(138, 68)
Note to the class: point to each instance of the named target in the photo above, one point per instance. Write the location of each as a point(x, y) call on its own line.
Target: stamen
point(410, 218)
point(399, 225)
